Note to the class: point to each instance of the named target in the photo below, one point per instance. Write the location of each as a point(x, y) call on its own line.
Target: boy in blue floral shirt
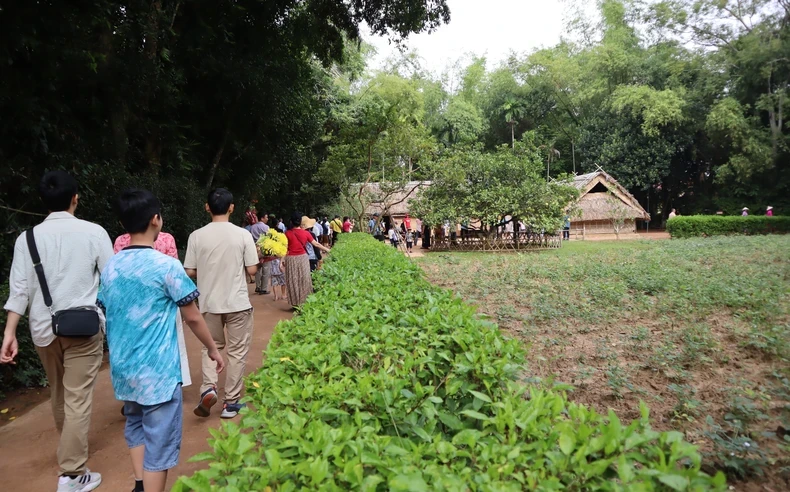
point(142, 292)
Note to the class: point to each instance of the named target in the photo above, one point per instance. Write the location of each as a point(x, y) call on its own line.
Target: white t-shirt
point(220, 252)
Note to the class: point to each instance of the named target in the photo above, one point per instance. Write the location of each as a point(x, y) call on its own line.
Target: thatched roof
point(601, 205)
point(392, 200)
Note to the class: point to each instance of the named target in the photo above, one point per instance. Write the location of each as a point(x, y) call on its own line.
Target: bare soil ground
point(29, 442)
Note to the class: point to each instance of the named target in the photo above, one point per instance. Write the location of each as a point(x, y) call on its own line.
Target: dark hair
point(345, 219)
point(296, 220)
point(219, 201)
point(136, 208)
point(57, 188)
point(337, 216)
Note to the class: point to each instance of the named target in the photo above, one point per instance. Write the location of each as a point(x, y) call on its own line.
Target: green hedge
point(385, 382)
point(717, 225)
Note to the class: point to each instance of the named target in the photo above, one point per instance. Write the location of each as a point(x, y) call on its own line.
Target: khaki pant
point(238, 337)
point(72, 365)
point(263, 276)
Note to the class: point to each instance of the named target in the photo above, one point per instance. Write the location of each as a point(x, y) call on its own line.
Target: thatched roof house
point(602, 202)
point(392, 200)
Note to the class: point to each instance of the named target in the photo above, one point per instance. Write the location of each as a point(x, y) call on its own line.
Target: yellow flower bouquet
point(274, 243)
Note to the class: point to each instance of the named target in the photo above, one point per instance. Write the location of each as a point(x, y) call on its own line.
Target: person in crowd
point(672, 214)
point(312, 254)
point(165, 244)
point(219, 255)
point(262, 277)
point(250, 218)
point(142, 291)
point(72, 254)
point(418, 224)
point(407, 222)
point(260, 228)
point(371, 225)
point(566, 228)
point(326, 237)
point(744, 211)
point(317, 231)
point(394, 237)
point(298, 281)
point(403, 228)
point(278, 279)
point(409, 240)
point(346, 224)
point(337, 228)
point(769, 212)
point(281, 226)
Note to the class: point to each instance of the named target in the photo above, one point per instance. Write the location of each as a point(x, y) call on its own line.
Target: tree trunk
point(217, 159)
point(513, 134)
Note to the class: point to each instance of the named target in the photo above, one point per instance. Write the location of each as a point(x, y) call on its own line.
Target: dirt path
point(29, 443)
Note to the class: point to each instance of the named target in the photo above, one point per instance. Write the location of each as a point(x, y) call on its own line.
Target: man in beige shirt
point(220, 255)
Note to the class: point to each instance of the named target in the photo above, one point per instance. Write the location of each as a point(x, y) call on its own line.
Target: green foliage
point(468, 184)
point(663, 321)
point(180, 97)
point(717, 225)
point(27, 372)
point(398, 385)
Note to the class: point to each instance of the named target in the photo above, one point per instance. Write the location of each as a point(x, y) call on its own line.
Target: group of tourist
point(77, 287)
point(769, 211)
point(306, 238)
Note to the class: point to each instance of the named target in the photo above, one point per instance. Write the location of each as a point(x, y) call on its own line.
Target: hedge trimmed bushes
point(385, 382)
point(717, 225)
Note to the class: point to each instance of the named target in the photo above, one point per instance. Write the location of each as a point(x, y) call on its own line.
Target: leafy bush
point(717, 225)
point(385, 382)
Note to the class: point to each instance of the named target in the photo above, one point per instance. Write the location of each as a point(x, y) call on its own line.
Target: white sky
point(484, 27)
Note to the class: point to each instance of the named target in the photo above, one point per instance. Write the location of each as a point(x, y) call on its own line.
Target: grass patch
point(698, 328)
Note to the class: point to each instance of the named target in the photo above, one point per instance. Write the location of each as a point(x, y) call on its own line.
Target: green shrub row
point(385, 382)
point(717, 225)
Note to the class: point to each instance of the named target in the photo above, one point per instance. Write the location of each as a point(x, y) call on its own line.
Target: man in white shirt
point(220, 255)
point(73, 253)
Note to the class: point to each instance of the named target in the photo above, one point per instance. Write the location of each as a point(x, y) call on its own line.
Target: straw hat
point(769, 208)
point(307, 222)
point(745, 208)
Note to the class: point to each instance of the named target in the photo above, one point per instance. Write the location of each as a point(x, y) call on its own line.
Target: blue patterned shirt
point(141, 290)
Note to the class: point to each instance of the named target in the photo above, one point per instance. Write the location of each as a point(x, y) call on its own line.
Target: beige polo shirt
point(220, 252)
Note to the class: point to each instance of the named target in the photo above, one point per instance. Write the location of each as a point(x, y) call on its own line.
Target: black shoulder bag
point(76, 322)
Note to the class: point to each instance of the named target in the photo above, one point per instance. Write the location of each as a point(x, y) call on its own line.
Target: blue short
point(158, 428)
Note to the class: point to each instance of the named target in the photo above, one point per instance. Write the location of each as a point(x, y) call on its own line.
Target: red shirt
point(297, 238)
point(347, 226)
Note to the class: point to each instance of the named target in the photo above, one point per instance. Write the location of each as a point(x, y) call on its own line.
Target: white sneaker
point(82, 483)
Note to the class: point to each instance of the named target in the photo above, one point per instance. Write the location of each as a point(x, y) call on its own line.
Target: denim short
point(158, 428)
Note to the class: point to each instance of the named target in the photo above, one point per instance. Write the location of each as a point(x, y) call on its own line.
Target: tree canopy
point(180, 97)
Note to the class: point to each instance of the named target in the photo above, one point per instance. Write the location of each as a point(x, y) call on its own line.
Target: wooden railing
point(505, 241)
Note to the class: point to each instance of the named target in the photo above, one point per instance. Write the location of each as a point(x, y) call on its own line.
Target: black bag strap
point(42, 280)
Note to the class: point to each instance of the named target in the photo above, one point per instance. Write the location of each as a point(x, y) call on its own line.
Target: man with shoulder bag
point(55, 273)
